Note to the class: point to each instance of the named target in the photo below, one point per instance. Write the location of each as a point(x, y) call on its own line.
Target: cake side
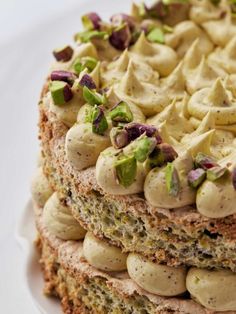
point(83, 288)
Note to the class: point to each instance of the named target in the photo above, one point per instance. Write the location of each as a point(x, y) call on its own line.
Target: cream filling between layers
point(59, 220)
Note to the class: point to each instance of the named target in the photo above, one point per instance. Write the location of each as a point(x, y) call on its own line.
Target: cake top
point(149, 99)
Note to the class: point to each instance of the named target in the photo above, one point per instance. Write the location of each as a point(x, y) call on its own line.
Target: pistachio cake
point(135, 191)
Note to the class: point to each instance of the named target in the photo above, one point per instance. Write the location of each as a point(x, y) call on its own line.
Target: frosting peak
point(193, 56)
point(130, 84)
point(143, 46)
point(201, 143)
point(149, 97)
point(160, 57)
point(200, 77)
point(174, 84)
point(218, 96)
point(176, 124)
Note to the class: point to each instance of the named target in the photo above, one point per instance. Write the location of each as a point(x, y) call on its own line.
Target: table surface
point(30, 29)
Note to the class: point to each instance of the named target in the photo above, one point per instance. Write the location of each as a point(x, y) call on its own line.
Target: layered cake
point(135, 192)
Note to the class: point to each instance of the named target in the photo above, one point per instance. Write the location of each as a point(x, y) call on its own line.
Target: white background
point(29, 30)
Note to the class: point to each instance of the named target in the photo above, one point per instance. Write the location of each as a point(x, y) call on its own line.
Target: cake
point(135, 191)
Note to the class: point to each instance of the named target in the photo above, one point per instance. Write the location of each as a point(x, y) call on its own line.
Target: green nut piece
point(144, 147)
point(99, 121)
point(87, 22)
point(216, 173)
point(156, 35)
point(92, 97)
point(196, 177)
point(155, 159)
point(87, 36)
point(162, 154)
point(60, 92)
point(204, 161)
point(121, 113)
point(119, 137)
point(126, 169)
point(172, 179)
point(84, 63)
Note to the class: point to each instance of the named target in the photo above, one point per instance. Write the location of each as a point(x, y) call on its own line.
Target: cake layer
point(83, 289)
point(173, 236)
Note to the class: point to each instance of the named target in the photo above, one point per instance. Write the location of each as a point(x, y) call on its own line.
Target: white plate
point(26, 234)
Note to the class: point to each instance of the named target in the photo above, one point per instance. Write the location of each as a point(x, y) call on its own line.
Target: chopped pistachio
point(87, 23)
point(126, 169)
point(216, 173)
point(121, 113)
point(78, 66)
point(162, 154)
point(157, 10)
point(156, 35)
point(120, 37)
point(119, 137)
point(168, 152)
point(60, 92)
point(87, 36)
point(172, 179)
point(89, 63)
point(120, 18)
point(204, 161)
point(87, 81)
point(63, 54)
point(144, 147)
point(155, 159)
point(92, 97)
point(64, 76)
point(84, 63)
point(91, 21)
point(99, 121)
point(135, 129)
point(196, 177)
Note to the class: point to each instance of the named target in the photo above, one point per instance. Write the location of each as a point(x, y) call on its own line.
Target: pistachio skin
point(102, 255)
point(40, 188)
point(157, 279)
point(59, 220)
point(63, 54)
point(83, 146)
point(214, 289)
